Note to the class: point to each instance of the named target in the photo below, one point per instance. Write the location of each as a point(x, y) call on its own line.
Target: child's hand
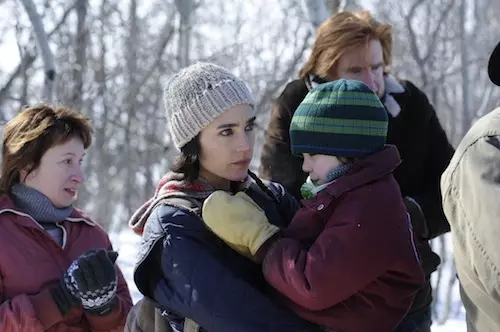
point(238, 221)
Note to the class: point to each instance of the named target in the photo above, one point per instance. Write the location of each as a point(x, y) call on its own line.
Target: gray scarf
point(39, 206)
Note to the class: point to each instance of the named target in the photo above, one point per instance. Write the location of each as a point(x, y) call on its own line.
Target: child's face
point(318, 166)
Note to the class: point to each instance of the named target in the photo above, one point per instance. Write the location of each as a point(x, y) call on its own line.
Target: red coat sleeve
point(342, 260)
point(35, 313)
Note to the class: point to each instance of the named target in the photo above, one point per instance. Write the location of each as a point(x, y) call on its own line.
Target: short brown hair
point(341, 32)
point(32, 132)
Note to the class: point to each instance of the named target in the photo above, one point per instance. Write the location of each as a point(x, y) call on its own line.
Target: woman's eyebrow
point(232, 125)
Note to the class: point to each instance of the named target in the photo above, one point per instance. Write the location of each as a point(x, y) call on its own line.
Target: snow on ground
point(451, 325)
point(126, 244)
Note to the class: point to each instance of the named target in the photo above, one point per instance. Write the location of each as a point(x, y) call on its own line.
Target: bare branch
point(169, 29)
point(316, 12)
point(291, 68)
point(434, 37)
point(413, 38)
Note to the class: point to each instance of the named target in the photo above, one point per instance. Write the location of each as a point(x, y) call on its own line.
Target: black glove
point(90, 281)
point(418, 220)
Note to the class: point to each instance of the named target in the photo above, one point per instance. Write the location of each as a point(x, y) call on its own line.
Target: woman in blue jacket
point(198, 282)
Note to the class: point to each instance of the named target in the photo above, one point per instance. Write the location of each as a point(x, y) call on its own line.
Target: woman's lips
point(242, 163)
point(71, 191)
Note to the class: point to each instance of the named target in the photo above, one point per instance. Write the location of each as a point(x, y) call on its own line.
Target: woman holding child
point(211, 221)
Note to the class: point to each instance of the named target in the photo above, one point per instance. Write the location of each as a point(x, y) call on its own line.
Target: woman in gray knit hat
point(197, 282)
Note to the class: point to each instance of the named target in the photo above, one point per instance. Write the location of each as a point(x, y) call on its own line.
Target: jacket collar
point(392, 86)
point(368, 170)
point(7, 206)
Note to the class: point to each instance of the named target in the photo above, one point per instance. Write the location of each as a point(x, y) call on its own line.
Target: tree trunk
point(335, 6)
point(23, 98)
point(27, 60)
point(185, 8)
point(103, 208)
point(464, 49)
point(79, 68)
point(130, 103)
point(43, 44)
point(316, 12)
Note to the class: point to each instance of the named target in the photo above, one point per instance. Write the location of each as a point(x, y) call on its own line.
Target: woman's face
point(227, 146)
point(59, 174)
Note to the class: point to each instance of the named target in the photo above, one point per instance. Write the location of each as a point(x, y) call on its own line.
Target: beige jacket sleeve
point(471, 201)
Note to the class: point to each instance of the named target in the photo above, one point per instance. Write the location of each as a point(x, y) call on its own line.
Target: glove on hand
point(238, 221)
point(90, 281)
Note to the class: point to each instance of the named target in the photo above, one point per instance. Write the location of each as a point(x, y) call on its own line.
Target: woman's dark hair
point(188, 162)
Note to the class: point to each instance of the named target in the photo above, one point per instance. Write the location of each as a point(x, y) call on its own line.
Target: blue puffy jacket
point(191, 273)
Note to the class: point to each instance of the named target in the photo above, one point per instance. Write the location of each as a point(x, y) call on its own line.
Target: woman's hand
point(90, 281)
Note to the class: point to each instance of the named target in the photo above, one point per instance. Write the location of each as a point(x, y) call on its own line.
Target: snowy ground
point(126, 243)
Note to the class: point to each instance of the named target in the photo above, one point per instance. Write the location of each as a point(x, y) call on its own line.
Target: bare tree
point(111, 62)
point(464, 42)
point(422, 58)
point(316, 12)
point(335, 6)
point(186, 11)
point(79, 67)
point(43, 44)
point(130, 103)
point(23, 98)
point(28, 57)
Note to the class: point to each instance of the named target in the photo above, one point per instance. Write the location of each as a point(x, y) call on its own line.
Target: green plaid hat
point(340, 118)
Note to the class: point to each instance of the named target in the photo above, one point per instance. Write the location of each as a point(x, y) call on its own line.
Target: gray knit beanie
point(198, 94)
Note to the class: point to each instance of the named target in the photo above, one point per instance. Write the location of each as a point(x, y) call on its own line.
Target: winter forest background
point(108, 58)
